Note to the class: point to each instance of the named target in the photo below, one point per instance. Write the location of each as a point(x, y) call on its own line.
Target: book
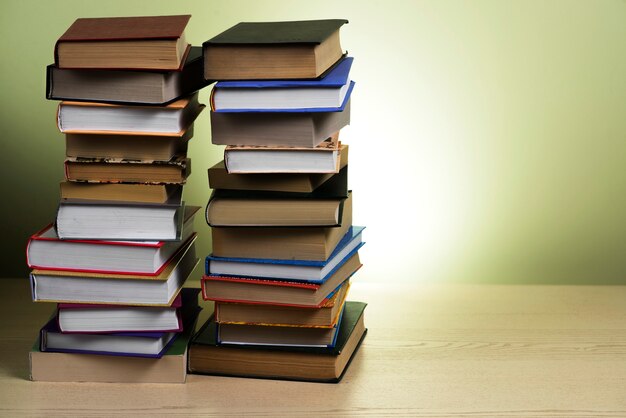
point(93, 318)
point(277, 292)
point(275, 50)
point(122, 192)
point(115, 170)
point(326, 315)
point(122, 86)
point(119, 221)
point(141, 42)
point(298, 183)
point(127, 147)
point(297, 129)
point(96, 117)
point(47, 252)
point(206, 356)
point(305, 270)
point(115, 289)
point(327, 94)
point(73, 367)
point(251, 159)
point(281, 243)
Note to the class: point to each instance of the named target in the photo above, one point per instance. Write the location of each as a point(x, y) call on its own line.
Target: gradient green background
point(488, 138)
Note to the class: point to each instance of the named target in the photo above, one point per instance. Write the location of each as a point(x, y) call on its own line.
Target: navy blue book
point(300, 270)
point(327, 94)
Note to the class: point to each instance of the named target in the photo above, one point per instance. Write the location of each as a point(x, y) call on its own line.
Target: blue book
point(327, 94)
point(293, 270)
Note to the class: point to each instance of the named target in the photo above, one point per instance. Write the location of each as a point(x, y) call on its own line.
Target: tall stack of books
point(284, 247)
point(122, 245)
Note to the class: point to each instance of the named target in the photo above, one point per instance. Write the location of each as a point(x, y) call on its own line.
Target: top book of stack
point(143, 43)
point(273, 50)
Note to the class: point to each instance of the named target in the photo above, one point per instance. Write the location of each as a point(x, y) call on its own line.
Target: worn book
point(122, 86)
point(128, 147)
point(297, 183)
point(116, 170)
point(327, 94)
point(281, 243)
point(122, 192)
point(96, 117)
point(277, 129)
point(206, 356)
point(277, 291)
point(138, 43)
point(74, 367)
point(46, 251)
point(116, 289)
point(325, 315)
point(273, 50)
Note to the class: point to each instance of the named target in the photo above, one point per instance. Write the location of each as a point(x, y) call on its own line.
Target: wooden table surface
point(432, 351)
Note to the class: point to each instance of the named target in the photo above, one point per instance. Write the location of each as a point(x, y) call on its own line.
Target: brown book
point(121, 192)
point(144, 42)
point(206, 356)
point(263, 314)
point(130, 147)
point(278, 50)
point(281, 243)
point(278, 129)
point(174, 171)
point(219, 178)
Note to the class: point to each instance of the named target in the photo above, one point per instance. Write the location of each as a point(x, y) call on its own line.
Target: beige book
point(121, 192)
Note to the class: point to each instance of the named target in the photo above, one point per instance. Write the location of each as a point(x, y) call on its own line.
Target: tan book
point(273, 50)
point(219, 178)
point(142, 42)
point(174, 171)
point(121, 192)
point(281, 243)
point(130, 147)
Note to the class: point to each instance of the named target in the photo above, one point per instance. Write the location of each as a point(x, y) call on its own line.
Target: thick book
point(281, 243)
point(206, 356)
point(120, 86)
point(116, 289)
point(297, 183)
point(325, 316)
point(122, 192)
point(327, 94)
point(46, 251)
point(273, 50)
point(119, 221)
point(253, 159)
point(305, 270)
point(115, 170)
point(128, 147)
point(73, 367)
point(277, 292)
point(96, 117)
point(277, 129)
point(140, 42)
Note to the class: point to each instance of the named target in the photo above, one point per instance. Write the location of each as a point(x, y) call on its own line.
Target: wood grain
point(431, 351)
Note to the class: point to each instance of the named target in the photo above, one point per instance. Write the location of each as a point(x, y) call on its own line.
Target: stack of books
point(284, 247)
point(122, 245)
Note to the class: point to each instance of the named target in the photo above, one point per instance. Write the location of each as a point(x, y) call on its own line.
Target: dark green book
point(285, 363)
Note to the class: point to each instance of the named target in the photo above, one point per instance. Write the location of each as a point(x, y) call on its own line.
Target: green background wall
point(488, 138)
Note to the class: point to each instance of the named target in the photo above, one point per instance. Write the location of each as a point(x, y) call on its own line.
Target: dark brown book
point(279, 129)
point(174, 171)
point(122, 192)
point(273, 50)
point(281, 243)
point(290, 363)
point(127, 86)
point(130, 147)
point(143, 42)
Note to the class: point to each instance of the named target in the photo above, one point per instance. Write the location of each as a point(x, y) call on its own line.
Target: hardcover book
point(206, 356)
point(141, 42)
point(122, 192)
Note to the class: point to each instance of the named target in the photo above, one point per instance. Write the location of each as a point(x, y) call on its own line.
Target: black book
point(206, 356)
